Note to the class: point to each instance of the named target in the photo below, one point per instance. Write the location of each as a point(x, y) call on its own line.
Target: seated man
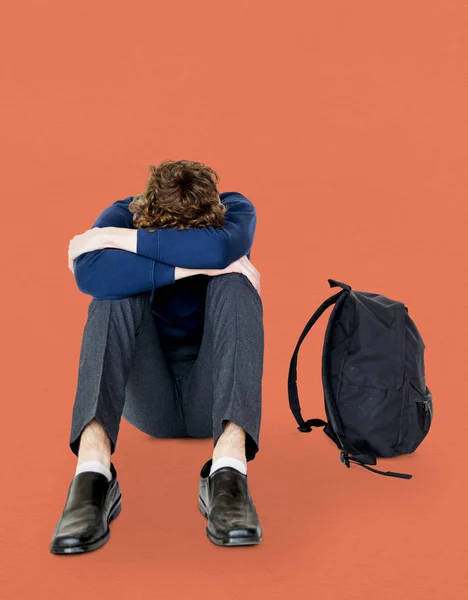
point(173, 343)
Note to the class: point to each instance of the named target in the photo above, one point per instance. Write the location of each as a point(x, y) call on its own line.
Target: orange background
point(346, 124)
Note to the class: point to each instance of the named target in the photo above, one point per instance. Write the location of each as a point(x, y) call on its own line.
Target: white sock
point(228, 461)
point(96, 466)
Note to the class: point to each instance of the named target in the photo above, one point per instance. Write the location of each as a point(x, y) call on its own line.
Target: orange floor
point(345, 124)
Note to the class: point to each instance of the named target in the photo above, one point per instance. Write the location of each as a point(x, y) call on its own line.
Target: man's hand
point(92, 239)
point(242, 265)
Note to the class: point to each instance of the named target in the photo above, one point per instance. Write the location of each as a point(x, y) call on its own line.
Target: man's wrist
point(121, 238)
point(181, 272)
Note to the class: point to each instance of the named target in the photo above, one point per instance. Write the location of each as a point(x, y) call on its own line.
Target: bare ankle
point(94, 444)
point(231, 443)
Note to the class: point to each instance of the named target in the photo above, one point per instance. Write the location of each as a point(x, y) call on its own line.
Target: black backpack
point(376, 399)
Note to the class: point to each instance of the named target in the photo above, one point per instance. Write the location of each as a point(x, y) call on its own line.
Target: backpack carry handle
point(334, 283)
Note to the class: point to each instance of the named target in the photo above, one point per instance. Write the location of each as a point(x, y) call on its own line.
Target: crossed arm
point(122, 261)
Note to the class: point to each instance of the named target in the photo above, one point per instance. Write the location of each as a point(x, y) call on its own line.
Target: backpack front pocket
point(375, 357)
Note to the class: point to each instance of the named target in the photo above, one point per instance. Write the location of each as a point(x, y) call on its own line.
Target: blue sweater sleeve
point(112, 273)
point(204, 247)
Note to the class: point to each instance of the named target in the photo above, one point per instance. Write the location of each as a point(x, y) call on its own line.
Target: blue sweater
point(177, 305)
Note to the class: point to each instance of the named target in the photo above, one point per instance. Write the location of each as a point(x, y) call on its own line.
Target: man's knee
point(137, 302)
point(142, 297)
point(232, 283)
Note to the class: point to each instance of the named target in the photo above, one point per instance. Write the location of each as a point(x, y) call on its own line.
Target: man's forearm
point(126, 239)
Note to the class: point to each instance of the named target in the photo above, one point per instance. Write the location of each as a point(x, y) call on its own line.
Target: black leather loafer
point(224, 498)
point(92, 502)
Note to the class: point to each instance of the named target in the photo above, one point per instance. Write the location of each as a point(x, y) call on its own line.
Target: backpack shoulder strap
point(292, 378)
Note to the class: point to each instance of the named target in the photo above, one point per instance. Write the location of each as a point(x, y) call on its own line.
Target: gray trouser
point(191, 391)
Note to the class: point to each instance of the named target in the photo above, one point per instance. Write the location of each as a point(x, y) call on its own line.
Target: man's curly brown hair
point(180, 194)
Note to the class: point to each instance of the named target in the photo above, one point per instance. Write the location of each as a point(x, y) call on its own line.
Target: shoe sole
point(230, 541)
point(115, 511)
